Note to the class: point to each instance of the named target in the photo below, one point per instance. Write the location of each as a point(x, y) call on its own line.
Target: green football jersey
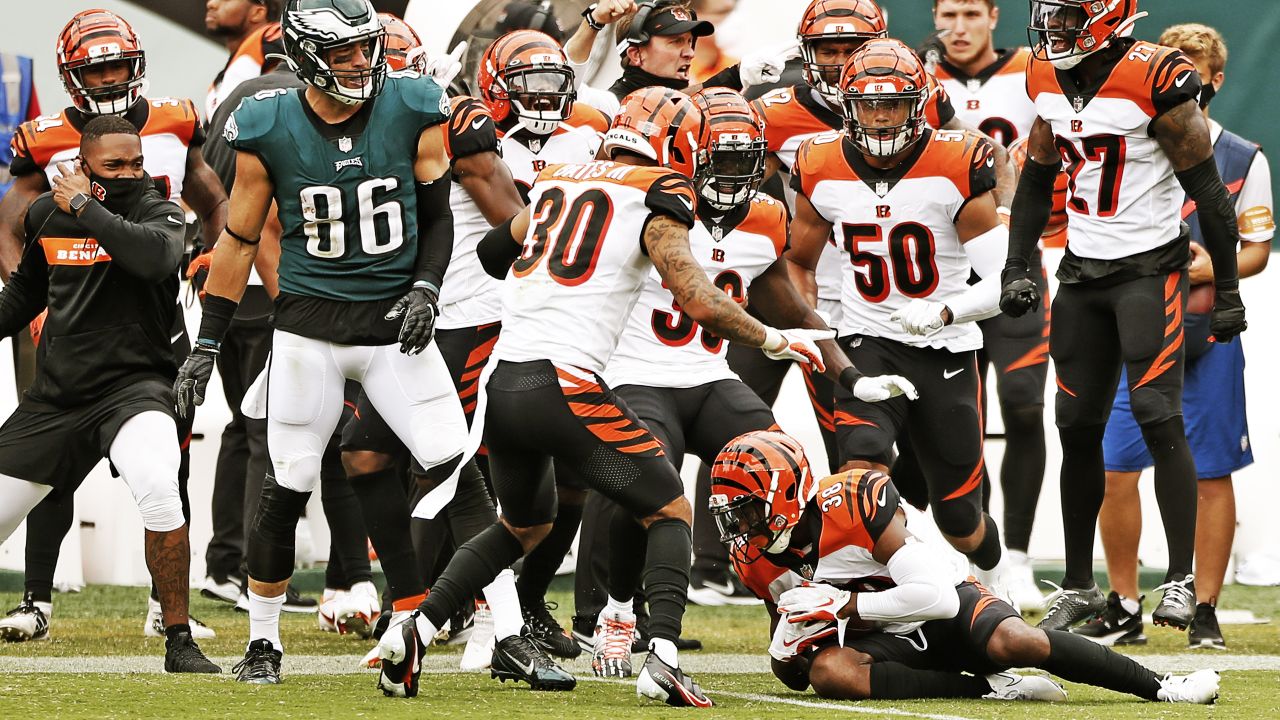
point(345, 192)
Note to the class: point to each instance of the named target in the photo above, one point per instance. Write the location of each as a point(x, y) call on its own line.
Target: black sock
point(47, 524)
point(386, 518)
point(540, 565)
point(1082, 486)
point(473, 566)
point(666, 576)
point(172, 631)
point(987, 554)
point(348, 549)
point(1022, 472)
point(1176, 491)
point(896, 681)
point(1081, 660)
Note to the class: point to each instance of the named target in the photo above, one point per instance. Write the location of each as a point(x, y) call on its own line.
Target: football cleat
point(1204, 632)
point(154, 625)
point(1008, 686)
point(518, 657)
point(28, 621)
point(183, 655)
point(1071, 607)
point(1022, 582)
point(227, 590)
point(1115, 626)
point(478, 654)
point(611, 656)
point(330, 605)
point(359, 611)
point(717, 588)
point(261, 664)
point(398, 657)
point(1177, 607)
point(547, 632)
point(660, 681)
point(295, 602)
point(1200, 687)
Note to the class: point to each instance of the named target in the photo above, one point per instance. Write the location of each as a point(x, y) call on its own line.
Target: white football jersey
point(470, 297)
point(663, 347)
point(569, 294)
point(995, 100)
point(1123, 197)
point(895, 228)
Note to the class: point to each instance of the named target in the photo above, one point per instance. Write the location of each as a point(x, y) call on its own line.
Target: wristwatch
point(591, 21)
point(78, 201)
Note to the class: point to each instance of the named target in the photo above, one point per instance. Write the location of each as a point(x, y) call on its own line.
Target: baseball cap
point(676, 20)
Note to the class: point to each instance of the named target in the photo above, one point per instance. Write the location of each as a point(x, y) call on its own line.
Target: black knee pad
point(270, 551)
point(959, 517)
point(872, 444)
point(1153, 405)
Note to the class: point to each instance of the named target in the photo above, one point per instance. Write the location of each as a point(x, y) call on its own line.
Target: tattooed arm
point(667, 242)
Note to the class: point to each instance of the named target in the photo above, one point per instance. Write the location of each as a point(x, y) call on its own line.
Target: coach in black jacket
point(101, 253)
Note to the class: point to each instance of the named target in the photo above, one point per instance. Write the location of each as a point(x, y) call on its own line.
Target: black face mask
point(1206, 95)
point(119, 195)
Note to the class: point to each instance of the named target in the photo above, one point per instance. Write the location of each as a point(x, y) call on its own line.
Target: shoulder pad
point(420, 94)
point(254, 119)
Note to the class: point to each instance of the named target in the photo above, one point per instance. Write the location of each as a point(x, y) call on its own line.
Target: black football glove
point(193, 379)
point(1227, 320)
point(932, 50)
point(1018, 292)
point(419, 309)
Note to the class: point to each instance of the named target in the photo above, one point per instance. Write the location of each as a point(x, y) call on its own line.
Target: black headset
point(636, 34)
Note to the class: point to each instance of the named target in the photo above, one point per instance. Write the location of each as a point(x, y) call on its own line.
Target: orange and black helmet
point(526, 72)
point(735, 149)
point(884, 90)
point(855, 21)
point(1064, 32)
point(99, 37)
point(660, 124)
point(759, 484)
point(399, 43)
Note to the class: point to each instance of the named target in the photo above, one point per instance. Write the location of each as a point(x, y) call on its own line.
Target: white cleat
point(331, 603)
point(615, 633)
point(1008, 686)
point(360, 609)
point(478, 654)
point(1022, 582)
point(1200, 687)
point(154, 626)
point(398, 657)
point(28, 621)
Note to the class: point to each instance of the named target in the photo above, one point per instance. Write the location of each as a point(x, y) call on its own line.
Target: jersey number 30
point(381, 223)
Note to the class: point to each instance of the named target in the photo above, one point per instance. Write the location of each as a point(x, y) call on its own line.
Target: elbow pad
point(925, 588)
point(1203, 185)
point(498, 249)
point(1032, 205)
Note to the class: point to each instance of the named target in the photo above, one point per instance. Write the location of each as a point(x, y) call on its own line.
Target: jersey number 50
point(910, 256)
point(325, 226)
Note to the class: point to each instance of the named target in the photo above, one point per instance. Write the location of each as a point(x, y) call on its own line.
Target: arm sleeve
point(27, 292)
point(923, 588)
point(150, 248)
point(986, 254)
point(1032, 205)
point(498, 249)
point(435, 232)
point(1218, 221)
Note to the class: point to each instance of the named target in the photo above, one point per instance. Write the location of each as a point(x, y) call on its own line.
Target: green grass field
point(105, 623)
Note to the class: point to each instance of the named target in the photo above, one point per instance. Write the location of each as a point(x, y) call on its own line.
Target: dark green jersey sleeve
point(250, 124)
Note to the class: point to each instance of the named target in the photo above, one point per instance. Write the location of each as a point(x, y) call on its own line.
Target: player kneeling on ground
point(861, 609)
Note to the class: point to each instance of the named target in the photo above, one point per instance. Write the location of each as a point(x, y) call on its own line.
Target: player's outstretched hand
point(418, 307)
point(878, 388)
point(765, 66)
point(441, 68)
point(799, 344)
point(1018, 292)
point(921, 317)
point(812, 602)
point(1227, 320)
point(193, 379)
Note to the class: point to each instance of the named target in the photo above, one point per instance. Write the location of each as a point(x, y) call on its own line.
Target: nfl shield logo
point(717, 233)
point(535, 145)
point(882, 188)
point(1078, 103)
point(344, 144)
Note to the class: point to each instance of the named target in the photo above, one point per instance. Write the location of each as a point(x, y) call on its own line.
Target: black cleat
point(1205, 633)
point(660, 681)
point(261, 664)
point(296, 602)
point(1178, 606)
point(182, 655)
point(1115, 626)
point(1072, 607)
point(547, 633)
point(518, 657)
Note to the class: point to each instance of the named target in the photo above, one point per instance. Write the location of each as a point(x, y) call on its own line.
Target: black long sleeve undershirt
point(1203, 185)
point(435, 232)
point(1032, 205)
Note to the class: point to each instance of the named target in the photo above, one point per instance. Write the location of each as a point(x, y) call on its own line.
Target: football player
point(103, 69)
point(671, 372)
point(1123, 117)
point(913, 215)
point(582, 250)
point(987, 87)
point(250, 29)
point(859, 608)
point(356, 164)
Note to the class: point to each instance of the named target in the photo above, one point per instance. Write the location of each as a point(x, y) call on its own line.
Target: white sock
point(1017, 558)
point(45, 607)
point(620, 607)
point(1129, 604)
point(504, 603)
point(264, 619)
point(426, 631)
point(666, 651)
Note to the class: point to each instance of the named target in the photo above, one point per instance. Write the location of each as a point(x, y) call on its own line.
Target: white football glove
point(920, 317)
point(812, 602)
point(878, 388)
point(799, 344)
point(441, 68)
point(766, 66)
point(791, 639)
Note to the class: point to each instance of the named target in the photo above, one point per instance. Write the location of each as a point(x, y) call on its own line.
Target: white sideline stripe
point(753, 697)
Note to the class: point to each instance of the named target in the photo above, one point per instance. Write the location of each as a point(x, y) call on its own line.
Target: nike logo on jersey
point(948, 374)
point(1183, 80)
point(174, 220)
point(479, 123)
